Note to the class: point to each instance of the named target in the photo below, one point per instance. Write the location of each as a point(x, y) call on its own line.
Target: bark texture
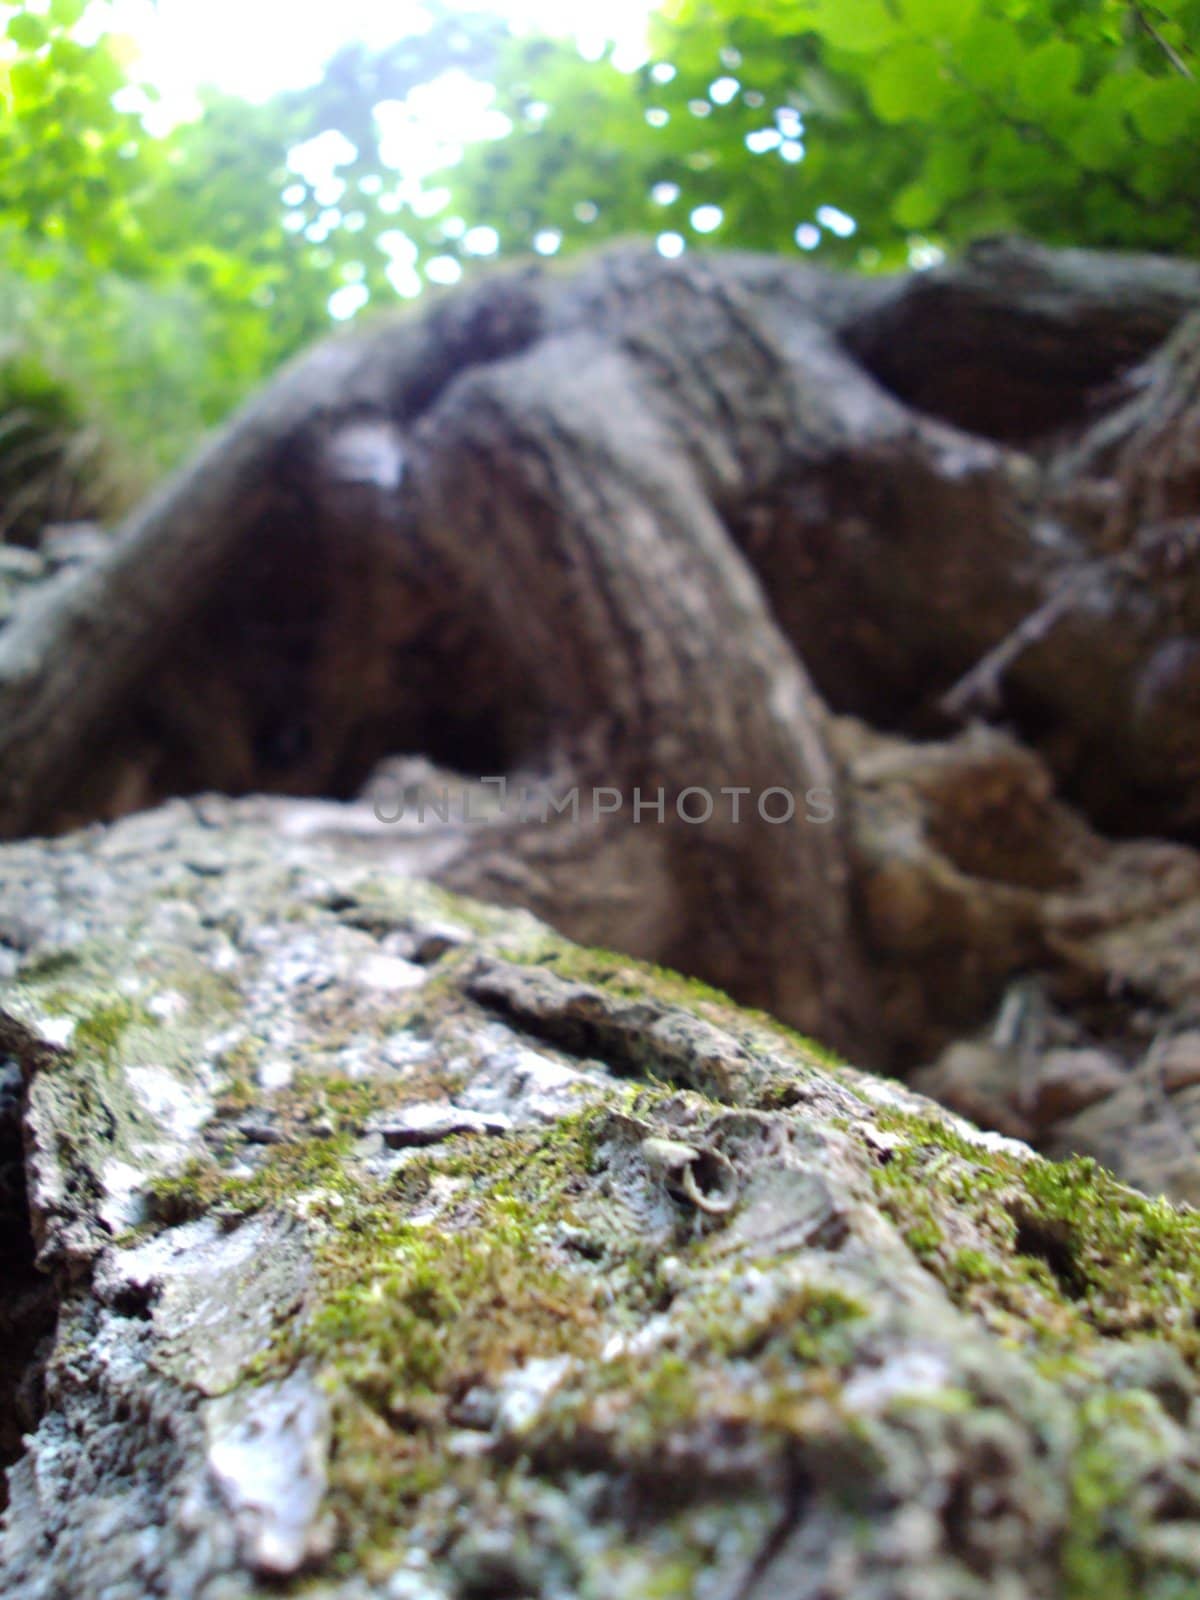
point(391, 1246)
point(923, 548)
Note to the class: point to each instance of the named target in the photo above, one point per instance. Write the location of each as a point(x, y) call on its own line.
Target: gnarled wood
point(643, 529)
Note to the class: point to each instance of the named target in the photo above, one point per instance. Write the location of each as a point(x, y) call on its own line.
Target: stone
point(1067, 1081)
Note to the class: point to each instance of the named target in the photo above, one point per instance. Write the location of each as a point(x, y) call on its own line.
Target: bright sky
point(256, 47)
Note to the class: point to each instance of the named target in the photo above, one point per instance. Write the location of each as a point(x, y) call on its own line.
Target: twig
point(1164, 45)
point(981, 685)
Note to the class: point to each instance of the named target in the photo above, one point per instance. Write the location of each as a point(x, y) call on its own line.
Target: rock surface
point(400, 1248)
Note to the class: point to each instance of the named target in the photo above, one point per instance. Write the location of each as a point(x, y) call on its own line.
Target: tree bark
point(727, 527)
point(388, 1244)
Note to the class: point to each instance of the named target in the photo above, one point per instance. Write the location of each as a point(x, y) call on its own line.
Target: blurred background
point(192, 190)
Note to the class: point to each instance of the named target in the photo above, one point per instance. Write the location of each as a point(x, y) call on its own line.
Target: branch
point(1164, 45)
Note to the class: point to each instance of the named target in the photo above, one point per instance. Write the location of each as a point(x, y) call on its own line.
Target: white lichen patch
point(168, 1005)
point(521, 1395)
point(267, 1456)
point(908, 1375)
point(179, 1108)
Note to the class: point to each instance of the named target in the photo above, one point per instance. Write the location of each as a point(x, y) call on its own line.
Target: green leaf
point(1049, 73)
point(856, 25)
point(1005, 158)
point(66, 13)
point(1100, 140)
point(1167, 109)
point(948, 169)
point(916, 207)
point(27, 31)
point(989, 55)
point(908, 84)
point(940, 19)
point(27, 84)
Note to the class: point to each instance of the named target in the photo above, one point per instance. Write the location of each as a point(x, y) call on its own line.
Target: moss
point(536, 1168)
point(102, 1019)
point(288, 1170)
point(46, 964)
point(211, 993)
point(99, 1032)
point(1097, 1558)
point(409, 1314)
point(966, 1267)
point(674, 1580)
point(1058, 1250)
point(404, 1317)
point(240, 1063)
point(382, 905)
point(239, 1095)
point(620, 974)
point(642, 980)
point(820, 1315)
point(923, 1238)
point(408, 1318)
point(808, 1325)
point(346, 1103)
point(653, 1396)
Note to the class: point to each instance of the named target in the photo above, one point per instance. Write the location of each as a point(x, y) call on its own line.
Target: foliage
point(167, 272)
point(51, 465)
point(123, 258)
point(867, 125)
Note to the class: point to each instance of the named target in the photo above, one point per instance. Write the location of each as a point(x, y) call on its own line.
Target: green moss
point(240, 1094)
point(819, 1316)
point(657, 1396)
point(100, 1032)
point(923, 1238)
point(636, 980)
point(407, 1318)
point(1097, 1559)
point(1058, 1250)
point(204, 1187)
point(674, 1579)
point(642, 980)
point(240, 1062)
point(346, 1103)
point(211, 993)
point(385, 904)
point(969, 1266)
point(101, 1022)
point(808, 1325)
point(47, 964)
point(408, 1314)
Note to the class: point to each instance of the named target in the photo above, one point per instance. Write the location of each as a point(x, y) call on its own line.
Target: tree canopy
point(167, 271)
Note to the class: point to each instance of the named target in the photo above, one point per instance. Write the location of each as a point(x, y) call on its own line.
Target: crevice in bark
point(1052, 1245)
point(28, 1299)
point(1018, 343)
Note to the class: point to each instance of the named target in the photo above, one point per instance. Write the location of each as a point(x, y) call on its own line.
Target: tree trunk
point(393, 1246)
point(742, 558)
